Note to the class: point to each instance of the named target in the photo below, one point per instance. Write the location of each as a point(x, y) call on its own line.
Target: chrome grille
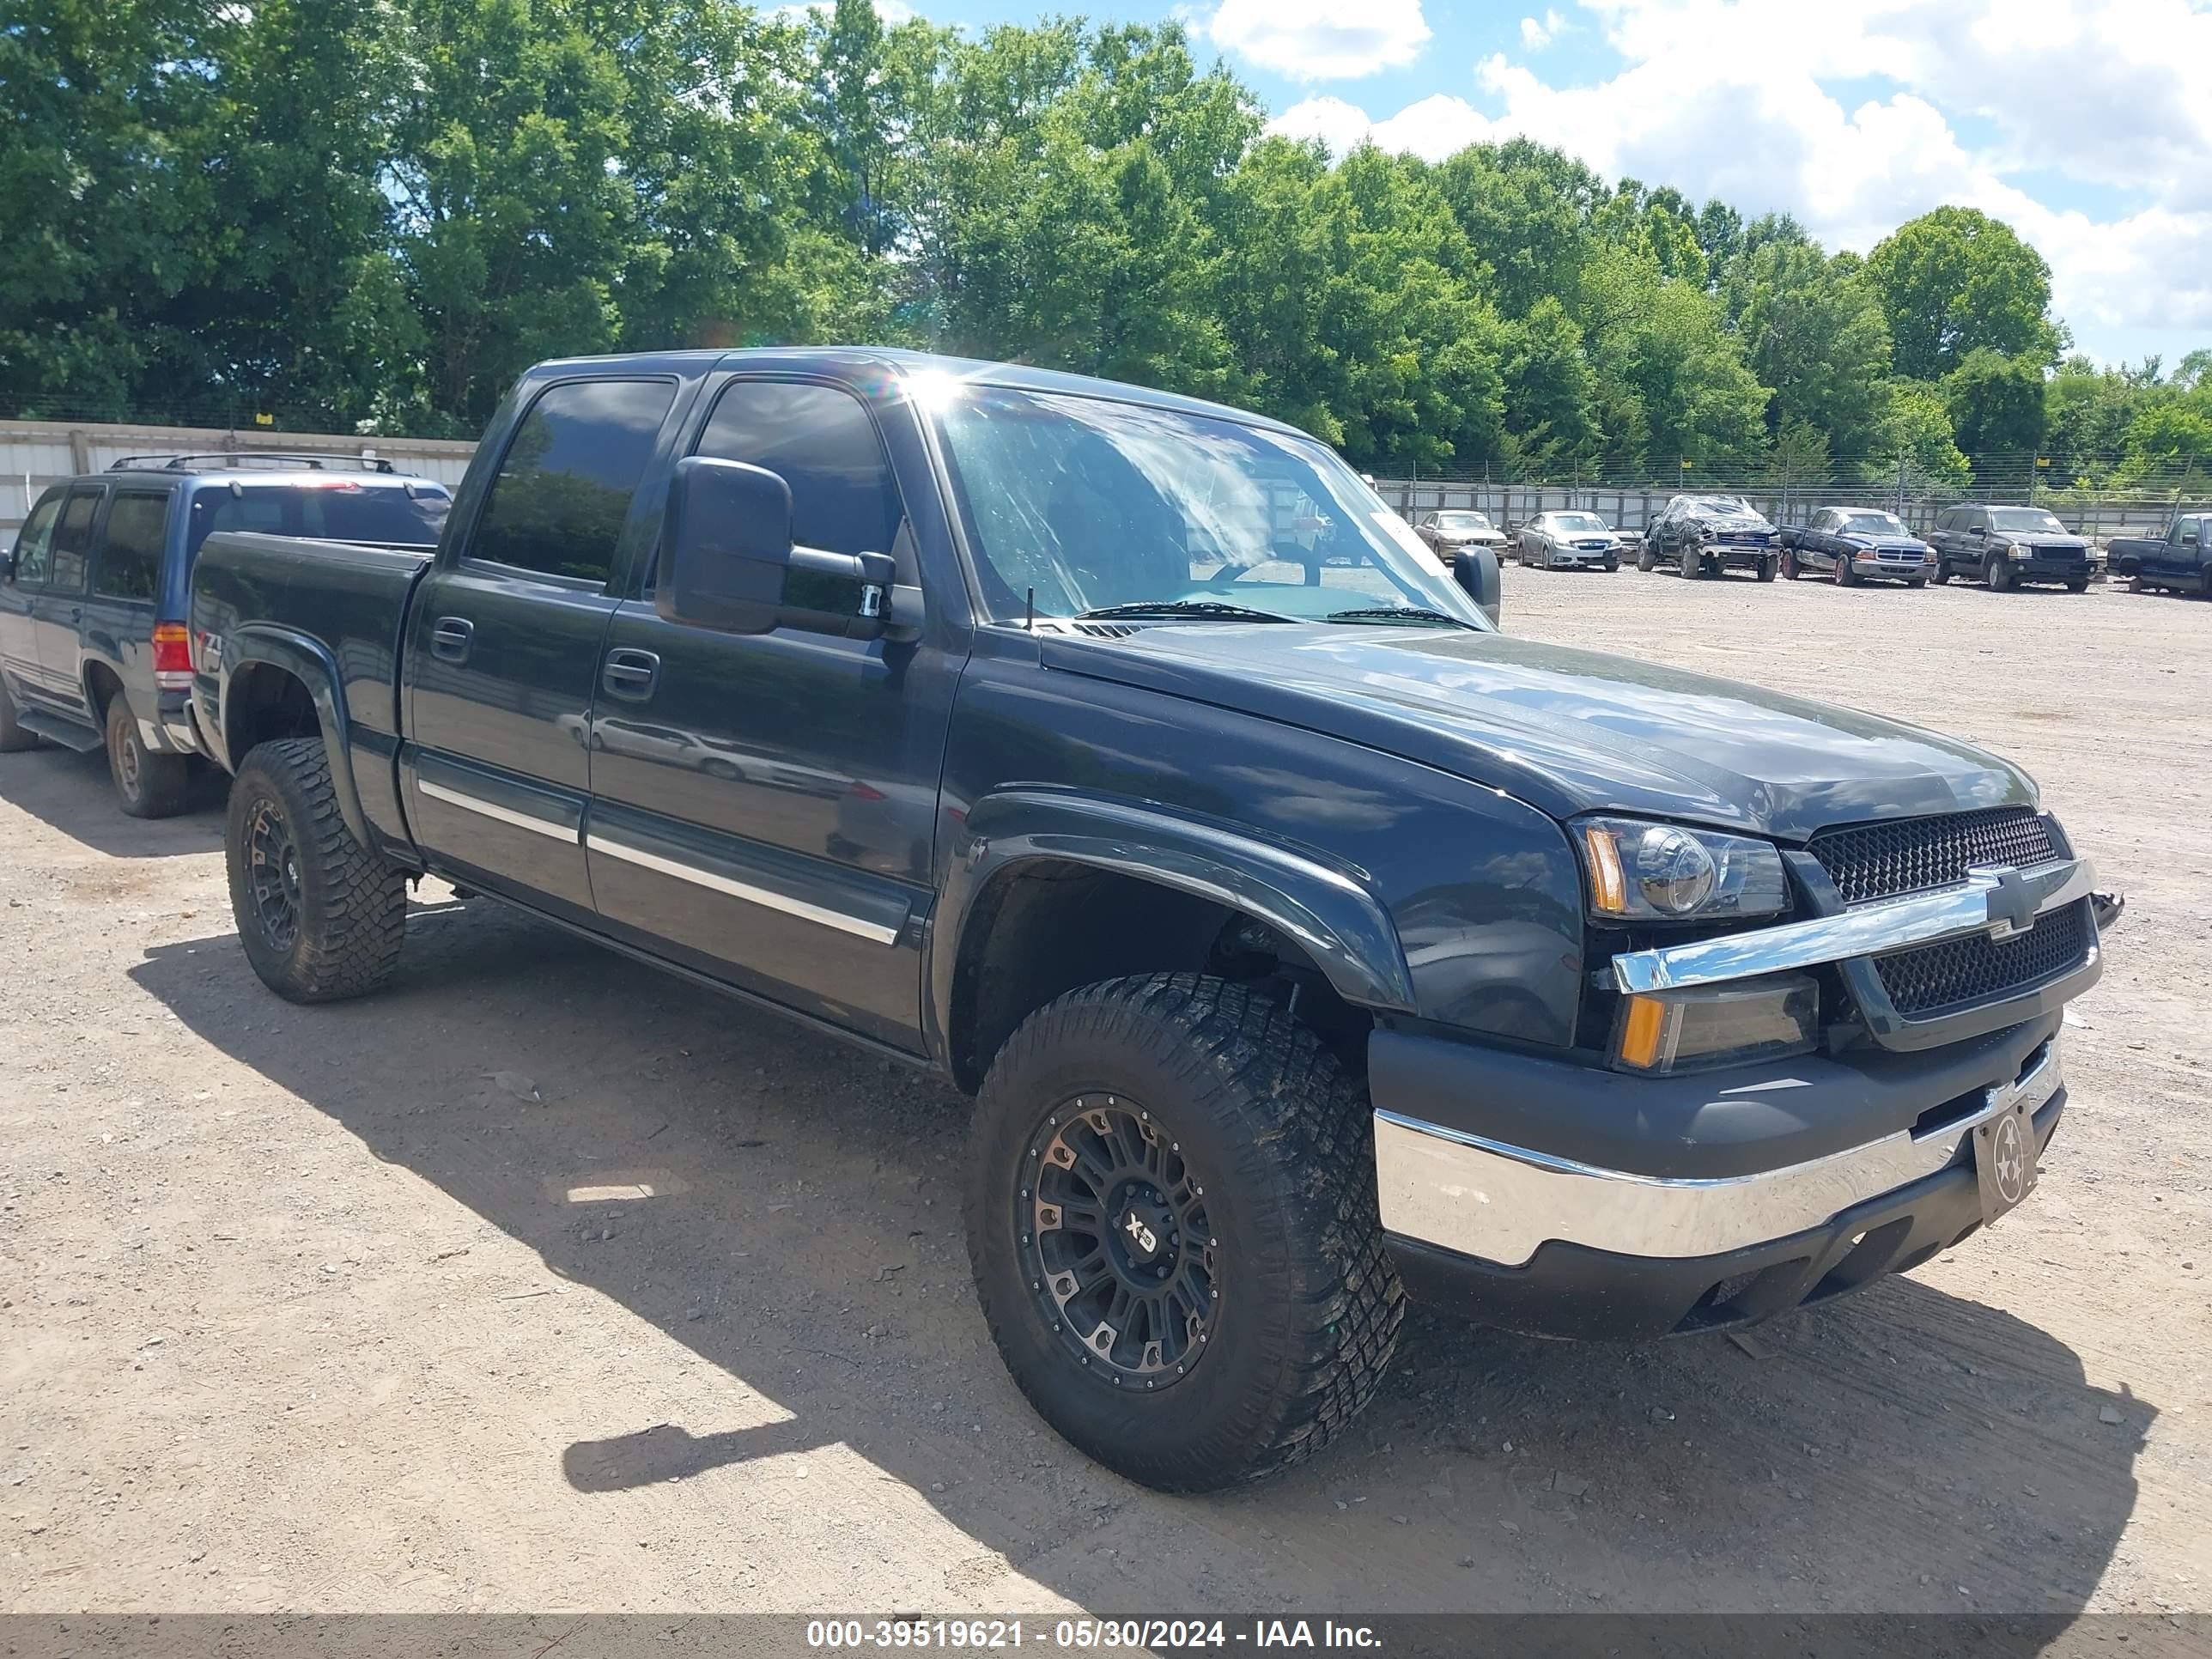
point(1914, 855)
point(1934, 978)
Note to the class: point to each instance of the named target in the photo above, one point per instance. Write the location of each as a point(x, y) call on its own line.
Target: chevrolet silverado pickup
point(1308, 943)
point(2181, 560)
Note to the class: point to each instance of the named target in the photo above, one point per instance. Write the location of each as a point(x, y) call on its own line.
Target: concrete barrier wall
point(36, 453)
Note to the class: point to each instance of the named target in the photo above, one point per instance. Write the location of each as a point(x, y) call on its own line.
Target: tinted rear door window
point(72, 545)
point(130, 563)
point(565, 483)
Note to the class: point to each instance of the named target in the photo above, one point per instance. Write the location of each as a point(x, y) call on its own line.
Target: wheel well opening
point(266, 702)
point(1047, 926)
point(101, 685)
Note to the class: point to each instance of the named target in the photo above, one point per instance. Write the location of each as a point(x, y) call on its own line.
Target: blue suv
point(93, 646)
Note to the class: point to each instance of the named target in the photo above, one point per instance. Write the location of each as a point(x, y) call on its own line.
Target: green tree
point(1996, 403)
point(1813, 330)
point(1955, 280)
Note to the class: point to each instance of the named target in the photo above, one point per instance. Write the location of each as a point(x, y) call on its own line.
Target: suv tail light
point(173, 657)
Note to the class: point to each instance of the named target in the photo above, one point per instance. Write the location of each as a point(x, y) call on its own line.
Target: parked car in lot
point(1447, 532)
point(1308, 943)
point(1853, 543)
point(2180, 559)
point(1706, 535)
point(1565, 540)
point(93, 649)
point(2006, 546)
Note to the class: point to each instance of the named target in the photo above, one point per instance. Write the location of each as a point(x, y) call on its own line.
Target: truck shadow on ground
point(789, 1212)
point(71, 793)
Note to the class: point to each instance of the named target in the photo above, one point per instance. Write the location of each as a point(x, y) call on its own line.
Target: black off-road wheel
point(146, 784)
point(1171, 1215)
point(15, 737)
point(321, 917)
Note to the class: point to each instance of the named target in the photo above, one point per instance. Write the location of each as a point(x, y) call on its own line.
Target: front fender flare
point(1309, 898)
point(309, 661)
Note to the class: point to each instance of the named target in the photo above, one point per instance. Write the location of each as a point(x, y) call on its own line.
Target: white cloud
point(1538, 35)
point(1732, 99)
point(1320, 39)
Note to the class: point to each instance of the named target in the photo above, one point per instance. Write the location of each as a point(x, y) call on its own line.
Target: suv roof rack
point(247, 459)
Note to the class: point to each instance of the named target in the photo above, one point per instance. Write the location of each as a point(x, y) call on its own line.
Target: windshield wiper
point(1214, 608)
point(1400, 613)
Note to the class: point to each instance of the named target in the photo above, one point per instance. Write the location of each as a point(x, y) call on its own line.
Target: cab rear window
point(336, 512)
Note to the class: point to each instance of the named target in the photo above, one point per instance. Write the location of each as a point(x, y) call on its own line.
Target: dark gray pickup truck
point(1307, 942)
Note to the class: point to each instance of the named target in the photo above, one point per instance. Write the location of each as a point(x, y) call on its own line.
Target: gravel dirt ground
point(545, 1282)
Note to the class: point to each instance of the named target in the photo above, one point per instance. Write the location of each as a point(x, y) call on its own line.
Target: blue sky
point(2066, 118)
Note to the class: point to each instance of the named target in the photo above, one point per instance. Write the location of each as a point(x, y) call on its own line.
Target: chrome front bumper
point(1500, 1204)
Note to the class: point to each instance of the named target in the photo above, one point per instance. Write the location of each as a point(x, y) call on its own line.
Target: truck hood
point(1566, 731)
point(1731, 521)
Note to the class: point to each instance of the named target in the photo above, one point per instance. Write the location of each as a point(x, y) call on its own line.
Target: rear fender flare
point(310, 662)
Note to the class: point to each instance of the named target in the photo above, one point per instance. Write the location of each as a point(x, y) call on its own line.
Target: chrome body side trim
point(560, 832)
point(1501, 1203)
point(761, 896)
point(1981, 904)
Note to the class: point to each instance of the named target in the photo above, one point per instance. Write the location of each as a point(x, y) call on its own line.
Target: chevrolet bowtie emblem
point(2012, 900)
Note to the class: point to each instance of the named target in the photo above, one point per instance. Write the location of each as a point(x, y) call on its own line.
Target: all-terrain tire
point(15, 737)
point(349, 906)
point(146, 784)
point(1279, 1142)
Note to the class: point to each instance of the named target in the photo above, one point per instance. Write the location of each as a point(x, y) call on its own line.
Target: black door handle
point(630, 674)
point(450, 637)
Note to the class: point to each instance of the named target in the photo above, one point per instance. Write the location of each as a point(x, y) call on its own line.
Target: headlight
point(1663, 873)
point(2015, 550)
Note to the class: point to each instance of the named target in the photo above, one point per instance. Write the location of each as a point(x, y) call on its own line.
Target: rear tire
point(146, 784)
point(321, 917)
point(1276, 1312)
point(15, 737)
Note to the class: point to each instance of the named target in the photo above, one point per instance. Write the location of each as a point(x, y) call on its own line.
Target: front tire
point(2077, 584)
point(321, 917)
point(1767, 567)
point(1172, 1216)
point(1646, 560)
point(15, 737)
point(1790, 564)
point(146, 784)
point(1997, 573)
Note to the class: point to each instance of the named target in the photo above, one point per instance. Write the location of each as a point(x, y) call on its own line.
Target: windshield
point(1727, 504)
point(2026, 518)
point(333, 510)
point(1876, 524)
point(1463, 522)
point(1575, 524)
point(1090, 503)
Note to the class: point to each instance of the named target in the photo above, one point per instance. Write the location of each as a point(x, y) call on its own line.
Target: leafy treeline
point(374, 212)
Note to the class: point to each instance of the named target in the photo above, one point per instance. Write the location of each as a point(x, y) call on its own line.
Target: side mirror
point(727, 560)
point(1981, 530)
point(1475, 569)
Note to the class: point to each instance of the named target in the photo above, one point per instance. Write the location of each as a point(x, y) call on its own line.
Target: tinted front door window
point(73, 542)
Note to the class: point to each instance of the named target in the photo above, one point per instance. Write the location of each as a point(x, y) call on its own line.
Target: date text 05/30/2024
point(1125, 1635)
